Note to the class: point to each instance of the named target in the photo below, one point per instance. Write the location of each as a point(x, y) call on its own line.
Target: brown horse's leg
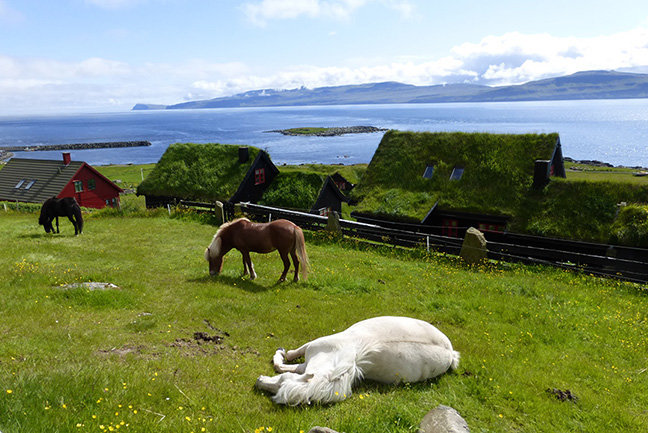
point(247, 261)
point(295, 260)
point(286, 262)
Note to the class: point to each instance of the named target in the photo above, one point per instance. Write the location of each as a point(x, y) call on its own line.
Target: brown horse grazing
point(246, 236)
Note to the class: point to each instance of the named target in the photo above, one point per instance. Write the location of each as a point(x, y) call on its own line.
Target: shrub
point(631, 226)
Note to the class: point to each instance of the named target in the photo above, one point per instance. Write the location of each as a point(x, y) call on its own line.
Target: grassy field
point(603, 174)
point(78, 360)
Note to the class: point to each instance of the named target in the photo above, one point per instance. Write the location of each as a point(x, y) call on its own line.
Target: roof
point(49, 176)
point(497, 172)
point(209, 171)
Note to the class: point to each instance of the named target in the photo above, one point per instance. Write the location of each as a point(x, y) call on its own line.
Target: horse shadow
point(238, 282)
point(366, 387)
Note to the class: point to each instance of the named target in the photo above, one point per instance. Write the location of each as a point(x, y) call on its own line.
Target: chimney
point(244, 154)
point(541, 173)
point(66, 158)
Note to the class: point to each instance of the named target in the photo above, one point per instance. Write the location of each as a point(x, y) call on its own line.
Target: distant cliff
point(581, 85)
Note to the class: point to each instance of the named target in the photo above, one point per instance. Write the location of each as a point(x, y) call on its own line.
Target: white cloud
point(28, 84)
point(260, 12)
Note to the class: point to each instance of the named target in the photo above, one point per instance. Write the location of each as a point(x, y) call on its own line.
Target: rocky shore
point(329, 132)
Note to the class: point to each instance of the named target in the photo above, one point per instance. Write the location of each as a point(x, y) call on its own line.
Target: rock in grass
point(321, 430)
point(443, 419)
point(91, 285)
point(473, 249)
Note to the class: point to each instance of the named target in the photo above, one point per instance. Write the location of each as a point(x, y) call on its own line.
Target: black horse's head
point(46, 223)
point(45, 219)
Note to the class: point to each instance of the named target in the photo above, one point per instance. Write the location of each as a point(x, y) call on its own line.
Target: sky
point(107, 55)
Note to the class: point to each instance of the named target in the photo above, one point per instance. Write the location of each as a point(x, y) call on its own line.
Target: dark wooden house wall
point(249, 189)
point(329, 197)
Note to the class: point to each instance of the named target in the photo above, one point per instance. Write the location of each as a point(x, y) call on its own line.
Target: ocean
point(613, 131)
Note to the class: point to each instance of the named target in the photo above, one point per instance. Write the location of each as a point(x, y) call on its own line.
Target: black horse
point(55, 207)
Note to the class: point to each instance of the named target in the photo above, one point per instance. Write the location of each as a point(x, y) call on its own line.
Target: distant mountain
point(581, 85)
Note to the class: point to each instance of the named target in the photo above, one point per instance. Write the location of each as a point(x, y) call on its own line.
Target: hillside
point(138, 358)
point(581, 85)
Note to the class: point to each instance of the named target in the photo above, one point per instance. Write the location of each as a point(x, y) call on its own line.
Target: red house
point(36, 180)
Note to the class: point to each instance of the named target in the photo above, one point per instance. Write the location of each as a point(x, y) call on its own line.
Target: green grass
point(603, 174)
point(129, 174)
point(86, 361)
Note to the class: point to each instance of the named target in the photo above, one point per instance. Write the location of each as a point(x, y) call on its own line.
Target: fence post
point(427, 243)
point(269, 216)
point(169, 208)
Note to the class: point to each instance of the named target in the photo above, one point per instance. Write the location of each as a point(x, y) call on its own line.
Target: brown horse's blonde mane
point(227, 224)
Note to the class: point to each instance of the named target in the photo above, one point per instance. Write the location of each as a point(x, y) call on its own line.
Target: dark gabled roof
point(330, 184)
point(261, 160)
point(50, 178)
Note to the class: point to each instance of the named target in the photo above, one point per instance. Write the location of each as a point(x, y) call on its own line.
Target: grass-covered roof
point(293, 190)
point(498, 171)
point(192, 171)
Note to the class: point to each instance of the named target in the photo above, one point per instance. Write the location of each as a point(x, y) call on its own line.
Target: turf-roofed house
point(208, 173)
point(36, 180)
point(452, 181)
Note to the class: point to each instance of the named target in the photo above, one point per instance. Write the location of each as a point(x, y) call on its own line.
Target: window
point(78, 186)
point(456, 174)
point(259, 176)
point(429, 170)
point(19, 184)
point(30, 184)
point(450, 227)
point(92, 184)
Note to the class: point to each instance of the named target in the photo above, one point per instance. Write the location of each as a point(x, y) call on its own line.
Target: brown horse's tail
point(300, 250)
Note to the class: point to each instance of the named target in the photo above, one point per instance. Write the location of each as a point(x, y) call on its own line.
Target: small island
point(329, 132)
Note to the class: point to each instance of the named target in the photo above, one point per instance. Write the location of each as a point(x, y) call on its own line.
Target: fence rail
point(620, 262)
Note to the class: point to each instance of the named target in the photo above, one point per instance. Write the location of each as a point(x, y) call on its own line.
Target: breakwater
point(74, 146)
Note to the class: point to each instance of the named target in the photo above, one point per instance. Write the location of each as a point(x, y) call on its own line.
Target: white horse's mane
point(214, 247)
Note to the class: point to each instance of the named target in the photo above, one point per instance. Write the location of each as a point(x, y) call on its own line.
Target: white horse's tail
point(324, 388)
point(300, 250)
point(455, 360)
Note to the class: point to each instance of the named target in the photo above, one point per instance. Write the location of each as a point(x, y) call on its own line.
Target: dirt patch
point(562, 395)
point(204, 343)
point(122, 351)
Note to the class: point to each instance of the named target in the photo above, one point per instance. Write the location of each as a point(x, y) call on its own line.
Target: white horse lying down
point(384, 349)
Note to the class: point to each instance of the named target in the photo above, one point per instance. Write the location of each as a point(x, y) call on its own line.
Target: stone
point(333, 223)
point(91, 285)
point(473, 249)
point(321, 430)
point(443, 419)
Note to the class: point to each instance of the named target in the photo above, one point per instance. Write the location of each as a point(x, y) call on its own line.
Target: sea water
point(613, 131)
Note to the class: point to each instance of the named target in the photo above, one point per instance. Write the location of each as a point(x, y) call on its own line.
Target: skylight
point(30, 184)
point(19, 184)
point(429, 170)
point(456, 174)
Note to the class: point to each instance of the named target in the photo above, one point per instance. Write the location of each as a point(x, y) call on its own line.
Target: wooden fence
point(625, 263)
